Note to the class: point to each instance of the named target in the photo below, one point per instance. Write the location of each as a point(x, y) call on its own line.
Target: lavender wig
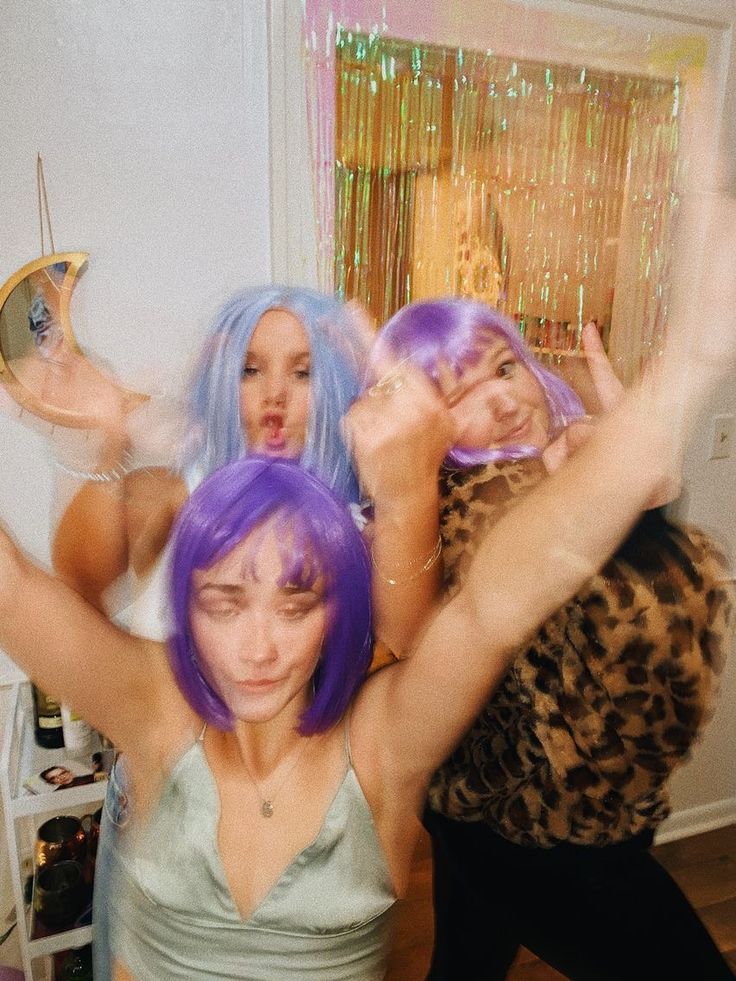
point(454, 332)
point(318, 540)
point(336, 364)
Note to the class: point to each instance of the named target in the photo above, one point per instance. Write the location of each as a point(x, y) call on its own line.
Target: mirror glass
point(32, 340)
point(41, 364)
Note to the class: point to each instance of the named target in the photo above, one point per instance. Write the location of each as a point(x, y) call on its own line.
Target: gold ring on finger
point(387, 385)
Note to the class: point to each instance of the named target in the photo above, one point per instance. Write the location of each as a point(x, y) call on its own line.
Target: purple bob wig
point(454, 332)
point(318, 540)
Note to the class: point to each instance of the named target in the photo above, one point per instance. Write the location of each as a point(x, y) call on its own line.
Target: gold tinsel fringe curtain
point(547, 190)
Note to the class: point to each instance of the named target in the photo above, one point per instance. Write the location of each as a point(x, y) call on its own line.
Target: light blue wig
point(337, 357)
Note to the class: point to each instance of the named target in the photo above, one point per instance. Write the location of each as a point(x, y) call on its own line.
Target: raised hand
point(399, 432)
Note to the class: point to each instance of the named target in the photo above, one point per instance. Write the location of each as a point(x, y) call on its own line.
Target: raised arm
point(112, 526)
point(119, 517)
point(400, 431)
point(90, 544)
point(111, 678)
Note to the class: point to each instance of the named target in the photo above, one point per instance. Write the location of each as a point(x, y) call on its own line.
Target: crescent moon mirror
point(41, 365)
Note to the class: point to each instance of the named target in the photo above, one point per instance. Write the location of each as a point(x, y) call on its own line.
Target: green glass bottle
point(48, 725)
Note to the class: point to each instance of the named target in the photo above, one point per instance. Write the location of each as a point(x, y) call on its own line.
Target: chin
point(248, 712)
point(256, 709)
point(280, 453)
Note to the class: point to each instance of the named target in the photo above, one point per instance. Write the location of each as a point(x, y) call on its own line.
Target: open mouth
point(274, 431)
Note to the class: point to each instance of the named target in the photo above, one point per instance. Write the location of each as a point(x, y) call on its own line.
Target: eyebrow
point(293, 589)
point(219, 587)
point(297, 356)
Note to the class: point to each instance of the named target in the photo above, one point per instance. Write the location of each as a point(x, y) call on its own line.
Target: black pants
point(594, 914)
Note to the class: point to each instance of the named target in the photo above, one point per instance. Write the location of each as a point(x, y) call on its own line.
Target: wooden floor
point(704, 866)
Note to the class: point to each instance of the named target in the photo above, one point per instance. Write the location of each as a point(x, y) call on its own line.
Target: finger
point(568, 443)
point(363, 322)
point(607, 385)
point(555, 454)
point(446, 378)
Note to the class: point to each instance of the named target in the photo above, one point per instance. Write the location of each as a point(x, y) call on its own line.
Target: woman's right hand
point(399, 432)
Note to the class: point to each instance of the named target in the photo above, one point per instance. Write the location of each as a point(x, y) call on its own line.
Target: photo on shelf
point(70, 773)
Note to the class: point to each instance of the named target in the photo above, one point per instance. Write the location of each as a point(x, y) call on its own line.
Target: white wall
point(152, 119)
point(704, 790)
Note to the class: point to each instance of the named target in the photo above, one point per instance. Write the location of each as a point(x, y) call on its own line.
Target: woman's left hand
point(609, 391)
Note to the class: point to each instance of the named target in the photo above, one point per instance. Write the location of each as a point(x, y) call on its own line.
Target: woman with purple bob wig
point(271, 821)
point(317, 541)
point(472, 394)
point(278, 369)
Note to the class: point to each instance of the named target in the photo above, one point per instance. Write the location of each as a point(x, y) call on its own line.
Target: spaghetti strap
point(200, 737)
point(346, 730)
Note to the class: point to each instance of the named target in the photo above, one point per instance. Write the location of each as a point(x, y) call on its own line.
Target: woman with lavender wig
point(542, 817)
point(271, 822)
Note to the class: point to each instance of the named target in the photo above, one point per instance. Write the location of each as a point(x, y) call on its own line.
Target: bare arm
point(118, 518)
point(90, 546)
point(400, 433)
point(114, 680)
point(112, 526)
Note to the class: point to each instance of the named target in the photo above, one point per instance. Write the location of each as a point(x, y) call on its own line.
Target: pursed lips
point(274, 429)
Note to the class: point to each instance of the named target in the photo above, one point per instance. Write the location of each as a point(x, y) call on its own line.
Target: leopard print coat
point(579, 740)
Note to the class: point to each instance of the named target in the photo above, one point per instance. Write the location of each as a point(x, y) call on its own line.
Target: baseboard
point(696, 820)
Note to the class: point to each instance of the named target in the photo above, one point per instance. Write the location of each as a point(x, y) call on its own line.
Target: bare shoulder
point(156, 735)
point(375, 740)
point(154, 489)
point(394, 791)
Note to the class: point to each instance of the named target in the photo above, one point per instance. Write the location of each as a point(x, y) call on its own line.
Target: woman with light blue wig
point(336, 357)
point(122, 524)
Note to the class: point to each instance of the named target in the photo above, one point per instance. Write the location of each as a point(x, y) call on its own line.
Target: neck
point(263, 746)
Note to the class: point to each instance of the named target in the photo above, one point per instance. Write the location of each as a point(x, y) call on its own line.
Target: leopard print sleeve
point(608, 697)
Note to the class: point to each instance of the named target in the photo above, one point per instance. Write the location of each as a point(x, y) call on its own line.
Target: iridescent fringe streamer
point(538, 188)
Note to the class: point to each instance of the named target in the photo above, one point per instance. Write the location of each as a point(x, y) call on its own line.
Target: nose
point(259, 644)
point(502, 404)
point(276, 390)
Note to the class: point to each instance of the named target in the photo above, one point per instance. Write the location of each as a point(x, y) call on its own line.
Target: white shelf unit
point(24, 813)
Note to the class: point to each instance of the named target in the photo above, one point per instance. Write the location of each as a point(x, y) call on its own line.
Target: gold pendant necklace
point(266, 807)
